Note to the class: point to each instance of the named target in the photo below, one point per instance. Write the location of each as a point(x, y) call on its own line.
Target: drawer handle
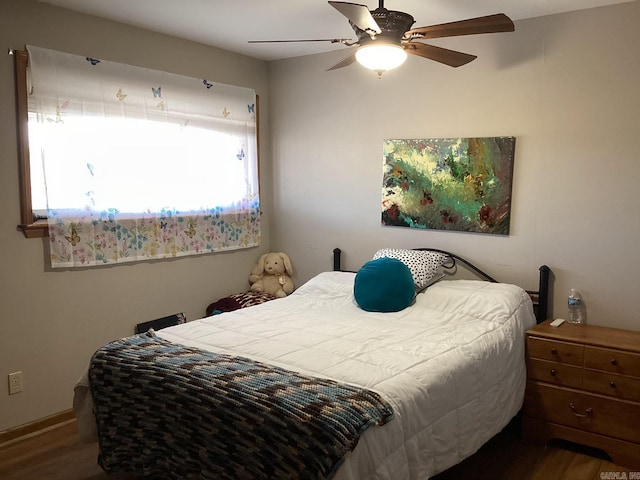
point(588, 411)
point(612, 384)
point(614, 361)
point(554, 351)
point(553, 372)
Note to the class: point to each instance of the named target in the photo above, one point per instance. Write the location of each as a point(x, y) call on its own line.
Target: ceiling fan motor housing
point(392, 23)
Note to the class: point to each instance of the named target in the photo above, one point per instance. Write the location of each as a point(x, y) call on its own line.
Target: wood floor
point(59, 455)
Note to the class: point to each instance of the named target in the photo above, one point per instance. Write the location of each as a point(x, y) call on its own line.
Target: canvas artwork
point(460, 184)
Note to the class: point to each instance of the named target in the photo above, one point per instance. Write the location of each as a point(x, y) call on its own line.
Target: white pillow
point(423, 264)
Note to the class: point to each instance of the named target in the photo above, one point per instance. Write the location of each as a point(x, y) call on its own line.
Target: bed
point(420, 389)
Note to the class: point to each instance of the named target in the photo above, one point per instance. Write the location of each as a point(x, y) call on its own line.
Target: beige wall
point(565, 85)
point(52, 321)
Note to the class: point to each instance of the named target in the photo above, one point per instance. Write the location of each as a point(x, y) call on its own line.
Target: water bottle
point(575, 307)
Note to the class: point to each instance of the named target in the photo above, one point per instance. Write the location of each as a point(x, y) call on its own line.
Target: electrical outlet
point(15, 382)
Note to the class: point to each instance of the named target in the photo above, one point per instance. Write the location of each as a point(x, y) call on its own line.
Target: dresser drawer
point(583, 411)
point(553, 350)
point(554, 372)
point(609, 360)
point(611, 384)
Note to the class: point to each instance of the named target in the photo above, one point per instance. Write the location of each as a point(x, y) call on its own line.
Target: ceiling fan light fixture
point(381, 58)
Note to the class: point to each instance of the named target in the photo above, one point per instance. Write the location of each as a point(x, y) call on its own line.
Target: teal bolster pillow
point(384, 285)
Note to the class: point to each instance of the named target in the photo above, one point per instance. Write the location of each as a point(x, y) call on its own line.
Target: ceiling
point(229, 24)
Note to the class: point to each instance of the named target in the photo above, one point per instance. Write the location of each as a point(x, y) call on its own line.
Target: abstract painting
point(460, 184)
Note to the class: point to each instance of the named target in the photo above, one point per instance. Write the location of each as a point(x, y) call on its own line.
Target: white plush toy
point(272, 275)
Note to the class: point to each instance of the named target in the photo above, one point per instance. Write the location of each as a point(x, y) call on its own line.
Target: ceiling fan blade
point(473, 26)
point(439, 54)
point(357, 14)
point(332, 40)
point(345, 62)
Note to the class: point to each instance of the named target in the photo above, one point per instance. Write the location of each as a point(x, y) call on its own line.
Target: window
point(122, 163)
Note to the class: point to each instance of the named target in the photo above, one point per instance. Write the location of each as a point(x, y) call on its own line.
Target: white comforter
point(451, 365)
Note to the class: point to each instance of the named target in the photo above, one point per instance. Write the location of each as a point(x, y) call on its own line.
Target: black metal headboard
point(540, 297)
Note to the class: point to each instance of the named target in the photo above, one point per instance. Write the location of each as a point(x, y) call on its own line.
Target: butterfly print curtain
point(111, 136)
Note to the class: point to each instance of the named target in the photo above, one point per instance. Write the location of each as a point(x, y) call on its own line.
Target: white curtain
point(141, 164)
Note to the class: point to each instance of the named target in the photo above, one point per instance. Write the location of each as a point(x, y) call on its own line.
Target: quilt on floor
point(168, 411)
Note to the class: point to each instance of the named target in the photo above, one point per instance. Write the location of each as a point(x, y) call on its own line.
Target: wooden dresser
point(583, 385)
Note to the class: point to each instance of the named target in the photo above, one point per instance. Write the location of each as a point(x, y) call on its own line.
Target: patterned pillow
point(237, 301)
point(423, 264)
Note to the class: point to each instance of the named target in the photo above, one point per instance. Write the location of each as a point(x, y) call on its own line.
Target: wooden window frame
point(30, 226)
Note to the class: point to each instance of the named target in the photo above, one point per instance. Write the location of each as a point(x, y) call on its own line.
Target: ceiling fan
point(385, 37)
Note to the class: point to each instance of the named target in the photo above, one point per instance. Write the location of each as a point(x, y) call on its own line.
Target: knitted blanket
point(169, 411)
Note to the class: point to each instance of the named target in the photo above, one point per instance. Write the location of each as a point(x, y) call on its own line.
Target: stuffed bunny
point(272, 275)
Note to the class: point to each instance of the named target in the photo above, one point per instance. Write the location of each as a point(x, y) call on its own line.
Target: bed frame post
point(543, 289)
point(336, 259)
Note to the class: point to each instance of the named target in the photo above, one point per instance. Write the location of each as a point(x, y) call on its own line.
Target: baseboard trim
point(28, 429)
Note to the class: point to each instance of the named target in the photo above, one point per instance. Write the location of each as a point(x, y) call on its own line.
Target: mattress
point(451, 365)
